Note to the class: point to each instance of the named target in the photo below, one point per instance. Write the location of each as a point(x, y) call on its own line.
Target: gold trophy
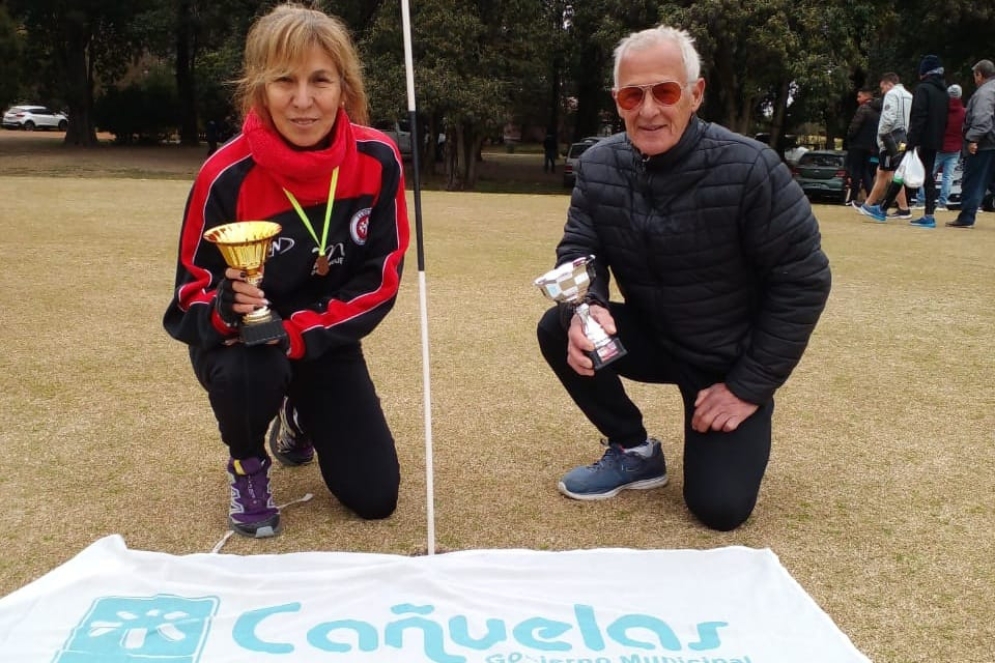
point(567, 284)
point(245, 245)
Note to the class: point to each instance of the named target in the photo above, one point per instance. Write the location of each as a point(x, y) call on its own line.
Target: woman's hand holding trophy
point(245, 246)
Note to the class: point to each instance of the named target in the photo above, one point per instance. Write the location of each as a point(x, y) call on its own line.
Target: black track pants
point(336, 404)
point(722, 471)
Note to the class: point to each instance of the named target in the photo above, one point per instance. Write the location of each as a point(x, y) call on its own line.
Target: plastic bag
point(911, 172)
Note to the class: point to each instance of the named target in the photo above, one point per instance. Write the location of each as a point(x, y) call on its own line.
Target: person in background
point(549, 153)
point(927, 126)
point(305, 160)
point(211, 134)
point(979, 145)
point(861, 139)
point(949, 155)
point(794, 153)
point(896, 107)
point(719, 257)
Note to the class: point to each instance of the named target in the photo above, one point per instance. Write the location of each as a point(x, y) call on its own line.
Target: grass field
point(879, 499)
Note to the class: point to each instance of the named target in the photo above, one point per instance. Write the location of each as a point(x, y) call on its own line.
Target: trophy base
point(607, 352)
point(262, 332)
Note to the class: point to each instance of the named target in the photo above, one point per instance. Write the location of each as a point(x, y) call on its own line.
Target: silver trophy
point(568, 284)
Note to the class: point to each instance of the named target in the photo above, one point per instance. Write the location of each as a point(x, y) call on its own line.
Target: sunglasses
point(667, 93)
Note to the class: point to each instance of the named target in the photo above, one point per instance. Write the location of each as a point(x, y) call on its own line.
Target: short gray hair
point(659, 35)
point(984, 67)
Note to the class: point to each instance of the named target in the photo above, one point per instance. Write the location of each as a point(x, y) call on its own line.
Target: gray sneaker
point(287, 442)
point(617, 470)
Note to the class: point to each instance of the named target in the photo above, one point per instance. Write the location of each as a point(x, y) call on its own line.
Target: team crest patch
point(359, 226)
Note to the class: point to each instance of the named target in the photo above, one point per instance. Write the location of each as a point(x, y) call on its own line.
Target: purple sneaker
point(252, 511)
point(287, 442)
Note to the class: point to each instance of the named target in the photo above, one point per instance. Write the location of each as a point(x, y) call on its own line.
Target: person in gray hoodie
point(979, 144)
point(895, 113)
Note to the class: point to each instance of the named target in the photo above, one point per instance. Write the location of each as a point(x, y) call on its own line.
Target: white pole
point(426, 381)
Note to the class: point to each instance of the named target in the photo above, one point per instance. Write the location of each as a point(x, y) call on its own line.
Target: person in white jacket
point(895, 110)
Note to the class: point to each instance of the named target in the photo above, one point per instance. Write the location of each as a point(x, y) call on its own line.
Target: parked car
point(822, 175)
point(30, 118)
point(573, 154)
point(787, 146)
point(399, 131)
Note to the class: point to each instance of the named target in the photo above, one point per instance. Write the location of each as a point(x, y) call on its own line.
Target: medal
point(321, 265)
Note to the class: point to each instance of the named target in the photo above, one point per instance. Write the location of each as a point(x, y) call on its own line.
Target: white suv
point(30, 118)
point(572, 156)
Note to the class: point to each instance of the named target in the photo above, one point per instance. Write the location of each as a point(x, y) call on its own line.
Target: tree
point(473, 62)
point(83, 38)
point(191, 34)
point(594, 29)
point(11, 47)
point(796, 68)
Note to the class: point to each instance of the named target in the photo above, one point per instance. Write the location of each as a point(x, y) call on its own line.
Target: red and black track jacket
point(367, 235)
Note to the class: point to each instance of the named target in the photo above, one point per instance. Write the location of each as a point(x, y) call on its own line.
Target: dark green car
point(822, 175)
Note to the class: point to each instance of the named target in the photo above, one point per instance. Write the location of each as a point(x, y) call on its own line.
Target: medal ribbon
point(328, 213)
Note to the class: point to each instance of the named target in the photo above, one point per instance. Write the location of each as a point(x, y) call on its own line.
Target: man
point(719, 257)
point(949, 155)
point(895, 110)
point(861, 137)
point(927, 124)
point(549, 153)
point(979, 144)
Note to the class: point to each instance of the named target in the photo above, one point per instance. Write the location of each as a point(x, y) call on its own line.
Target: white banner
point(110, 604)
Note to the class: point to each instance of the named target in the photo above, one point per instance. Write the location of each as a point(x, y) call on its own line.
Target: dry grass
point(879, 497)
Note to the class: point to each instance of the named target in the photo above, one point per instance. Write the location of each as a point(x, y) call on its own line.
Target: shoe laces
point(613, 456)
point(253, 490)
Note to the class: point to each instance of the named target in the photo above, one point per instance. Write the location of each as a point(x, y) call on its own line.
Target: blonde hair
point(283, 38)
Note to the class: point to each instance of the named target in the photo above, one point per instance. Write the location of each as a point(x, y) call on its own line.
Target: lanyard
point(328, 213)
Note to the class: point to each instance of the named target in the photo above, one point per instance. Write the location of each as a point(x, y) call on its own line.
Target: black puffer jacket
point(711, 241)
point(928, 117)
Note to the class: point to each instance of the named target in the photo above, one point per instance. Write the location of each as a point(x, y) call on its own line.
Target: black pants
point(722, 471)
point(861, 172)
point(337, 406)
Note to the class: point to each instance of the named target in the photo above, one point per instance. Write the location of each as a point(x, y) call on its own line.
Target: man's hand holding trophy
point(568, 284)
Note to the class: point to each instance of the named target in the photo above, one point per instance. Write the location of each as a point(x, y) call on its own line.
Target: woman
point(337, 190)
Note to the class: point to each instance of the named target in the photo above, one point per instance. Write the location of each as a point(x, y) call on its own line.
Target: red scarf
point(304, 172)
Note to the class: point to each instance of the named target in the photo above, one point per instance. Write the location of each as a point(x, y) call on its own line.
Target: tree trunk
point(589, 91)
point(433, 127)
point(457, 165)
point(475, 144)
point(745, 119)
point(554, 99)
point(185, 81)
point(463, 173)
point(79, 82)
point(724, 84)
point(780, 112)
